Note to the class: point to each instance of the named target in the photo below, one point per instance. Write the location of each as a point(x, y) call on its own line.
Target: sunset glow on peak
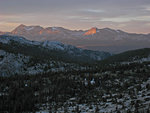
point(91, 31)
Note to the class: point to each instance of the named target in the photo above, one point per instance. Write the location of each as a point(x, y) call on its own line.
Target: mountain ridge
point(132, 56)
point(19, 55)
point(106, 39)
point(50, 45)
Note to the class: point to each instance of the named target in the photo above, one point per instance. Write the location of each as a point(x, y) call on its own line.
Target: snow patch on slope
point(53, 45)
point(28, 28)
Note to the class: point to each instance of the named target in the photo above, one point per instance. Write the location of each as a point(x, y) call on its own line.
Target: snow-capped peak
point(91, 31)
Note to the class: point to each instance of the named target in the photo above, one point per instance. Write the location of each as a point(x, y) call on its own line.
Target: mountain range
point(106, 39)
point(19, 55)
point(41, 71)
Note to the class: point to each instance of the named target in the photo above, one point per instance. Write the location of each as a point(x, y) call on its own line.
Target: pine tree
point(97, 109)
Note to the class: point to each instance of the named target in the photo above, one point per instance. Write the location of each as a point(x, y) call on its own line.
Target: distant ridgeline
point(106, 39)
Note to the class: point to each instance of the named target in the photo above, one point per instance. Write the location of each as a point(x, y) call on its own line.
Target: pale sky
point(127, 15)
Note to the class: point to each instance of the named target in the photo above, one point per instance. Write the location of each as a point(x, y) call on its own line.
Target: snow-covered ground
point(122, 104)
point(12, 64)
